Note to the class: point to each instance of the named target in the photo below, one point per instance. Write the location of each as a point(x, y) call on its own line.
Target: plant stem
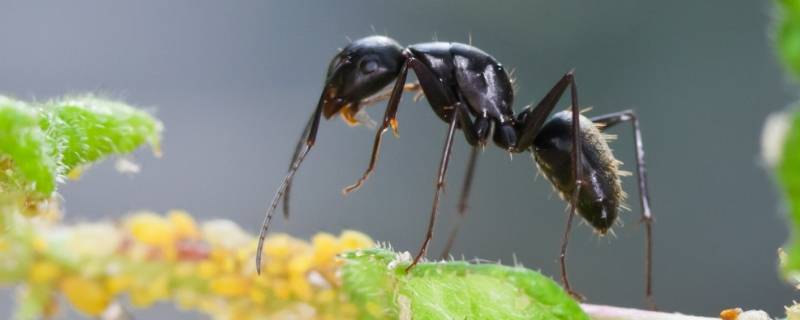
point(597, 312)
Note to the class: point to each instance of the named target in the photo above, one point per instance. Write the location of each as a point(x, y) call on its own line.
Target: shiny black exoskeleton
point(472, 92)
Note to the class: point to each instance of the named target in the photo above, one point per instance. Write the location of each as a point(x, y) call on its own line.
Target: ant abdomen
point(601, 192)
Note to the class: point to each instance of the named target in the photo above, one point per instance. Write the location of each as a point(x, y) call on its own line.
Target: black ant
point(468, 89)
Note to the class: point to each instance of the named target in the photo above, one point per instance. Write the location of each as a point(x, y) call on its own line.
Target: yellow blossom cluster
point(147, 258)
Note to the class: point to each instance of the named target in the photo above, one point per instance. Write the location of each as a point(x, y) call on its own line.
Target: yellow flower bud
point(169, 252)
point(277, 246)
point(229, 265)
point(151, 229)
point(118, 283)
point(43, 272)
point(274, 268)
point(326, 296)
point(299, 265)
point(352, 240)
point(326, 246)
point(184, 225)
point(184, 270)
point(39, 244)
point(258, 295)
point(87, 296)
point(300, 287)
point(229, 285)
point(207, 269)
point(281, 289)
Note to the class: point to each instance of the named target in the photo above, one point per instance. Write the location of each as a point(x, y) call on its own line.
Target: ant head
point(361, 69)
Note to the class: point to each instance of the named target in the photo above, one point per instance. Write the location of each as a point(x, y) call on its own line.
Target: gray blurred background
point(234, 82)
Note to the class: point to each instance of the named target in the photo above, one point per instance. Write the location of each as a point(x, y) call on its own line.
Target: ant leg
point(477, 141)
point(577, 176)
point(448, 146)
point(531, 121)
point(411, 87)
point(462, 203)
point(389, 119)
point(564, 244)
point(608, 121)
point(300, 155)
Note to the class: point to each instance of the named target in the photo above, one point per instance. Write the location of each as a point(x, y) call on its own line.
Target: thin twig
point(597, 312)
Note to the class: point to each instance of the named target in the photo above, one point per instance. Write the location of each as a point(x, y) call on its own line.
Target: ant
point(471, 91)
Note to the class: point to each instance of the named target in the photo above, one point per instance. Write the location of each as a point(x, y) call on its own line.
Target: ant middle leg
point(476, 135)
point(440, 179)
point(462, 202)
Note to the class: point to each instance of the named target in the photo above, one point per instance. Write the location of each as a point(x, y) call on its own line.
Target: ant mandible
point(461, 82)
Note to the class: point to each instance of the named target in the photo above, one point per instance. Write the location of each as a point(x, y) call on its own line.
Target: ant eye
point(369, 66)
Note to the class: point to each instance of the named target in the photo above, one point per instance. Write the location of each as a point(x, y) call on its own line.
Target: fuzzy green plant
point(41, 143)
point(452, 290)
point(781, 152)
point(208, 267)
point(787, 35)
point(781, 137)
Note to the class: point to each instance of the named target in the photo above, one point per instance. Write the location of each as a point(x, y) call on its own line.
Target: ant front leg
point(608, 121)
point(409, 87)
point(309, 137)
point(530, 122)
point(389, 119)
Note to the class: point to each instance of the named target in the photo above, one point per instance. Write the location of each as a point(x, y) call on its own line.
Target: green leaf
point(41, 142)
point(88, 128)
point(26, 158)
point(377, 283)
point(785, 130)
point(788, 34)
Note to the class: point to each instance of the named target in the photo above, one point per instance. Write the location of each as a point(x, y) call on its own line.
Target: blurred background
point(234, 83)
